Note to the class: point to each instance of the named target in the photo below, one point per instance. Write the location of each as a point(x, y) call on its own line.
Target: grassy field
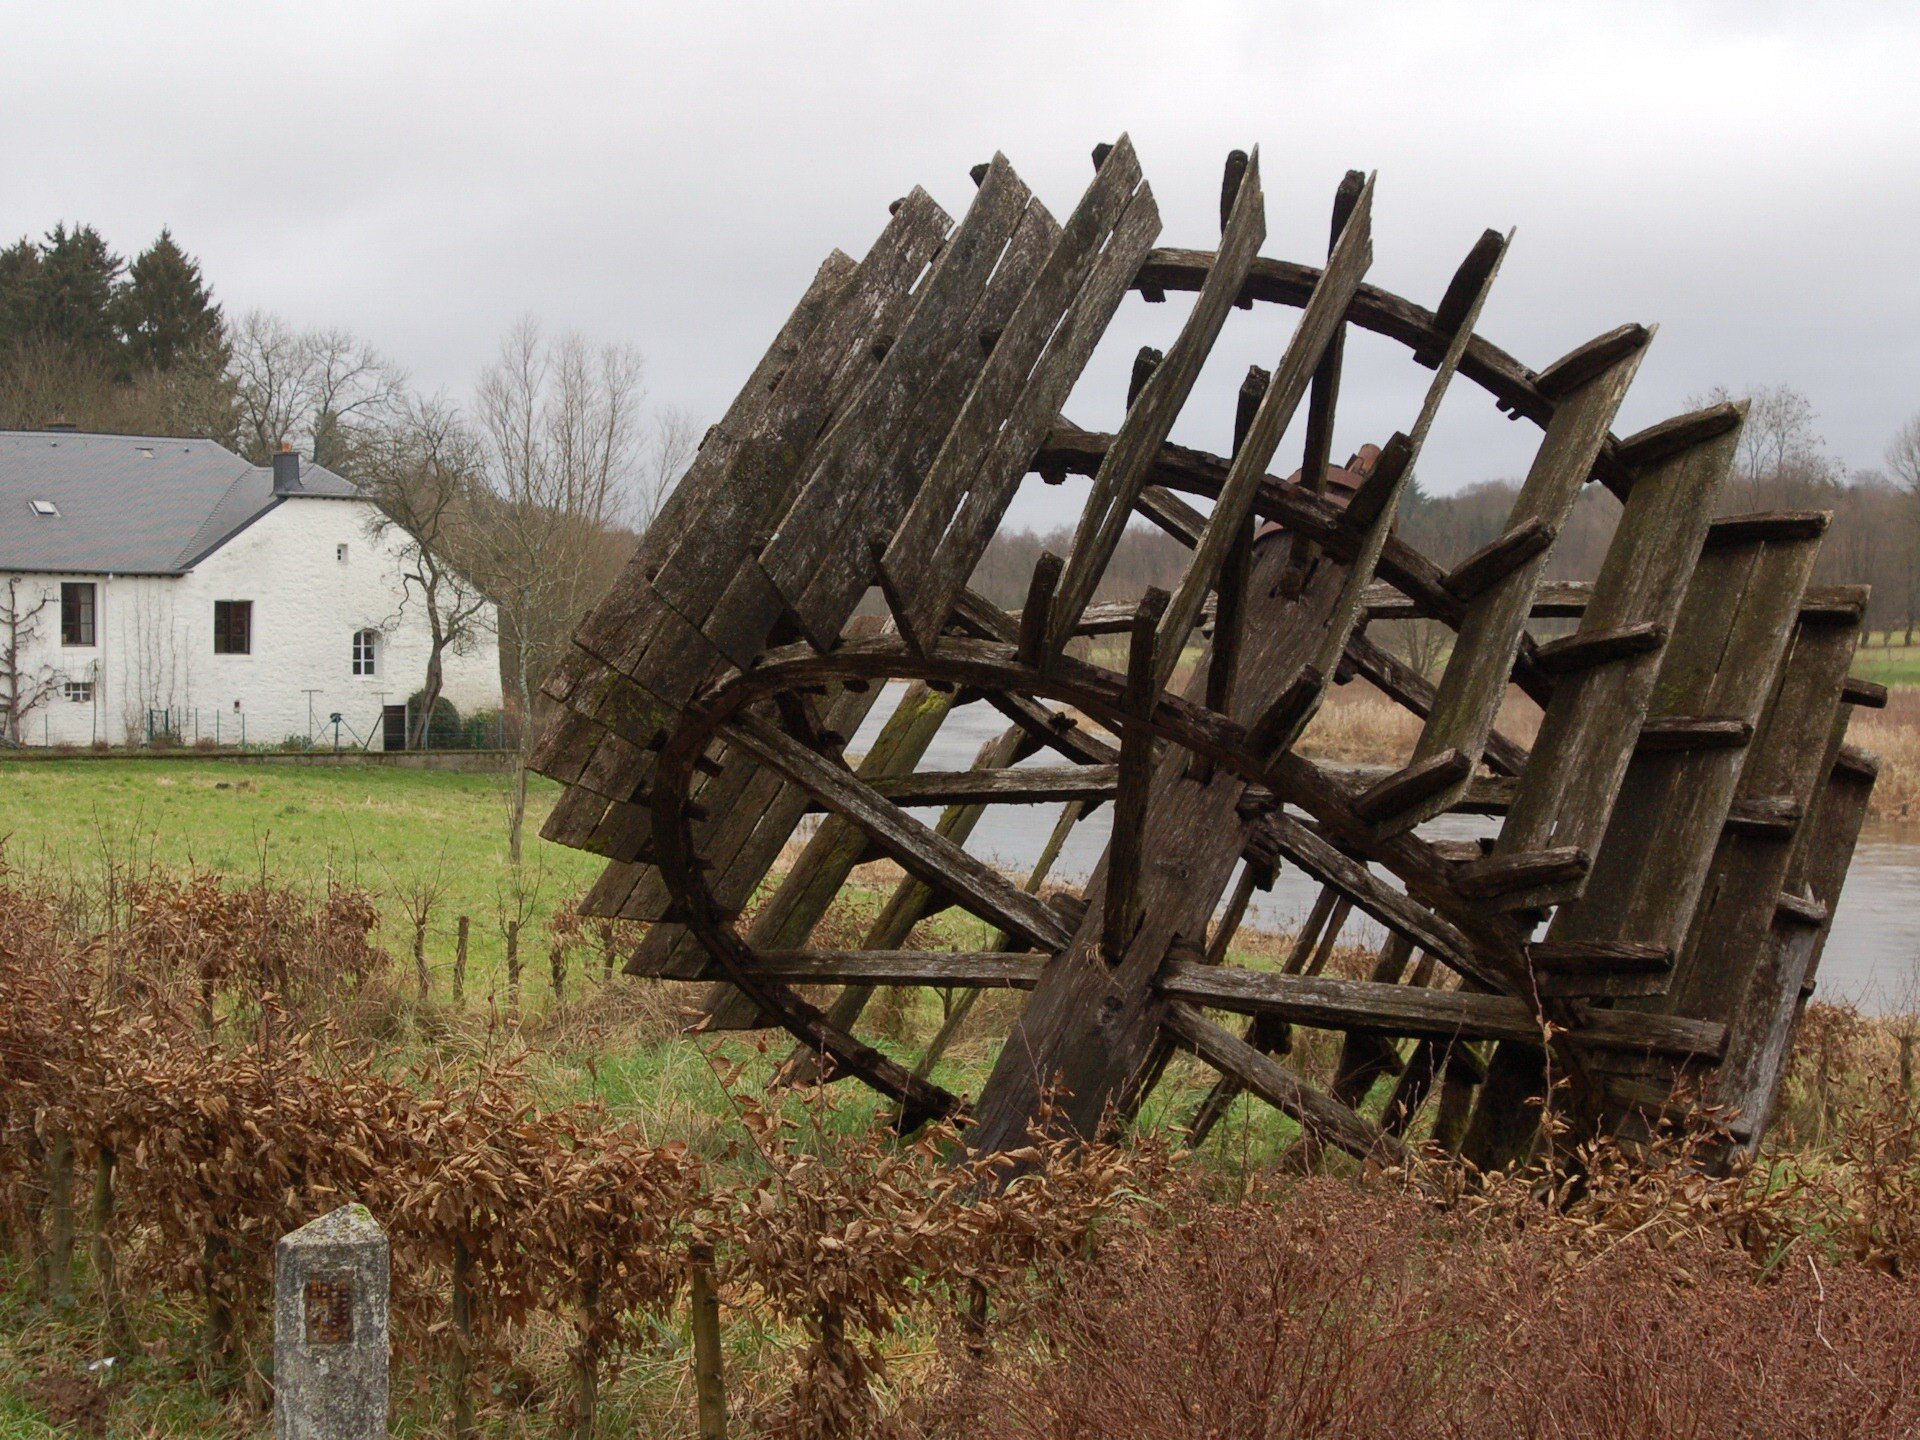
point(1889, 664)
point(385, 827)
point(376, 826)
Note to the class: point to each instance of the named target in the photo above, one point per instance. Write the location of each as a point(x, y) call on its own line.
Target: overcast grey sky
point(1745, 174)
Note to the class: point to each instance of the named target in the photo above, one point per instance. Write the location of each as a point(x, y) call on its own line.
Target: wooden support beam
point(1499, 558)
point(1320, 321)
point(1666, 733)
point(1327, 1003)
point(1120, 916)
point(1399, 681)
point(1124, 469)
point(1328, 1120)
point(992, 970)
point(1501, 581)
point(1600, 971)
point(1392, 908)
point(1015, 785)
point(1412, 785)
point(1572, 654)
point(1033, 650)
point(924, 853)
point(1026, 379)
point(1493, 876)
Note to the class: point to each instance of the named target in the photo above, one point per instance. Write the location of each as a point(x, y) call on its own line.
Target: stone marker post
point(330, 1329)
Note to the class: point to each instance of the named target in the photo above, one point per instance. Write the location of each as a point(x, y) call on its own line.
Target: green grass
point(377, 826)
point(1894, 664)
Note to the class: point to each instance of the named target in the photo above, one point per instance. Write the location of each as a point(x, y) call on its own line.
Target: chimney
point(286, 472)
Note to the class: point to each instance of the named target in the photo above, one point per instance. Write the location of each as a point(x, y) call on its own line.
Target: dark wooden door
point(393, 727)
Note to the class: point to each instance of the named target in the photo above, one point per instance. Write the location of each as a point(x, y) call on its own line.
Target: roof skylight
point(45, 509)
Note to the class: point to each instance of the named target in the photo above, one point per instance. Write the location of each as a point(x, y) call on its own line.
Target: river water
point(1871, 958)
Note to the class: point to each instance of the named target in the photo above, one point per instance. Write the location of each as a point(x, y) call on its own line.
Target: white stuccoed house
point(181, 590)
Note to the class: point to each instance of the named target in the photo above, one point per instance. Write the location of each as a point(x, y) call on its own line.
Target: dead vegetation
point(187, 1071)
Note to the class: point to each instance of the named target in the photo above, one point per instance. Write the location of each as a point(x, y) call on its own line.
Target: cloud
point(671, 175)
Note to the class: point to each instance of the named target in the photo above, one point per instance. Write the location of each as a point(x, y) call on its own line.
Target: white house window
point(366, 652)
point(45, 509)
point(76, 613)
point(340, 553)
point(80, 692)
point(233, 627)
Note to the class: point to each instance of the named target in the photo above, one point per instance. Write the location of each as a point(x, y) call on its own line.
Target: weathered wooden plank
point(1331, 1122)
point(1034, 364)
point(1574, 654)
point(662, 649)
point(1320, 321)
point(1478, 668)
point(572, 736)
point(1150, 417)
point(1366, 1055)
point(1371, 515)
point(1728, 641)
point(1723, 971)
point(1018, 785)
point(1324, 398)
point(1327, 1002)
point(1748, 1082)
point(912, 900)
point(1036, 614)
point(1665, 733)
point(1349, 877)
point(820, 558)
point(994, 970)
point(751, 816)
point(1499, 876)
point(873, 308)
point(1134, 784)
point(929, 856)
point(1499, 558)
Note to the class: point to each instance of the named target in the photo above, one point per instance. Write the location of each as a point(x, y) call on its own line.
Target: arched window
point(366, 652)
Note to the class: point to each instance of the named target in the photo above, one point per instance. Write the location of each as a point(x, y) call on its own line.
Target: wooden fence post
point(460, 963)
point(58, 1259)
point(709, 1375)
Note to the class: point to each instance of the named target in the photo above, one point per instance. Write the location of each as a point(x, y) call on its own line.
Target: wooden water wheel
point(1650, 914)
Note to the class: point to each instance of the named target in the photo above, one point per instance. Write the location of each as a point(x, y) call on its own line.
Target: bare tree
point(24, 688)
point(560, 424)
point(1781, 457)
point(420, 470)
point(673, 439)
point(321, 391)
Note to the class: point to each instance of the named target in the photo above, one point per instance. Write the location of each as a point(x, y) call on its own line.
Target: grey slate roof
point(131, 504)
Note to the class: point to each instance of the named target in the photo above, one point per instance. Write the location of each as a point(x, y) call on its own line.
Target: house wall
point(154, 640)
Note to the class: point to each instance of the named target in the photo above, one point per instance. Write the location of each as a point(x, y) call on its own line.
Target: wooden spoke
point(1333, 1123)
point(926, 854)
point(1123, 471)
point(1135, 775)
point(1320, 321)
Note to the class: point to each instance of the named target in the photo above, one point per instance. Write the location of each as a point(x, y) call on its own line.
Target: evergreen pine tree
point(77, 278)
point(20, 295)
point(166, 314)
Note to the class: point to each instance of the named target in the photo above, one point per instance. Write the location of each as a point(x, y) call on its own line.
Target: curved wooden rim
point(974, 664)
